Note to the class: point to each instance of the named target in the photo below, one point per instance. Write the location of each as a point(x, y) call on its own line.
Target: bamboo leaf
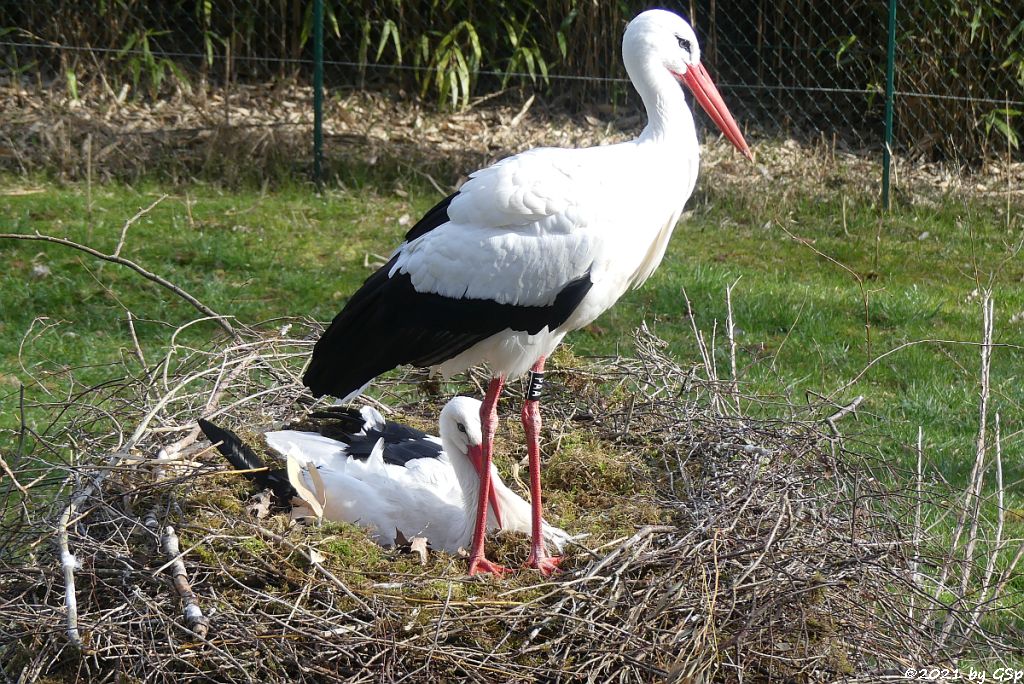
point(364, 43)
point(332, 18)
point(531, 68)
point(72, 81)
point(1000, 120)
point(307, 25)
point(390, 29)
point(846, 45)
point(453, 88)
point(510, 31)
point(132, 39)
point(462, 72)
point(474, 42)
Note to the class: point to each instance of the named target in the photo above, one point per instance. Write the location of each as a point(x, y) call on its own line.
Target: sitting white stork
point(389, 477)
point(537, 245)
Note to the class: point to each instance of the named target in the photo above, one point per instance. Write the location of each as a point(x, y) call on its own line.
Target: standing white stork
point(389, 477)
point(537, 245)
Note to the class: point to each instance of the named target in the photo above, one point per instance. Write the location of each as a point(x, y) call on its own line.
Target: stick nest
point(721, 546)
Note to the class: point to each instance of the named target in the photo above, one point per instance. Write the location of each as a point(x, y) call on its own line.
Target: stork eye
point(462, 428)
point(683, 43)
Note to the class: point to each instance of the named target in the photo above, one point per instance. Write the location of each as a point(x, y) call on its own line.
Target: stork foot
point(480, 565)
point(547, 565)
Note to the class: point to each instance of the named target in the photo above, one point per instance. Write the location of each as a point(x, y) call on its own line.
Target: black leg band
point(536, 386)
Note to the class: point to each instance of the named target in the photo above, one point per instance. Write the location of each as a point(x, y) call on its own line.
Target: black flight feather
point(387, 323)
point(242, 457)
point(397, 450)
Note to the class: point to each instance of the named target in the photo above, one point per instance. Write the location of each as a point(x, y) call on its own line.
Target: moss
point(253, 545)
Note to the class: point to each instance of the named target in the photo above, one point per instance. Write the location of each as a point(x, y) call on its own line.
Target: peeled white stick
point(68, 561)
point(194, 618)
point(69, 564)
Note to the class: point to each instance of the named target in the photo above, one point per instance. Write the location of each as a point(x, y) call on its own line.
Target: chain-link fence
point(794, 67)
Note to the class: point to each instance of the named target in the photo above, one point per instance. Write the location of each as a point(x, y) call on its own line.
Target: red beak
point(703, 88)
point(476, 457)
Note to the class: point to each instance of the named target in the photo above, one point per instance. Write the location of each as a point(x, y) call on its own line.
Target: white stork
point(390, 477)
point(537, 245)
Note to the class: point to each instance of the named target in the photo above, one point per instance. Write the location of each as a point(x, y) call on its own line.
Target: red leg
point(539, 558)
point(488, 424)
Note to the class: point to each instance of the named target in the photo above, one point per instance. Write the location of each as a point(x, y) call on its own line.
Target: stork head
point(664, 35)
point(659, 39)
point(462, 438)
point(460, 429)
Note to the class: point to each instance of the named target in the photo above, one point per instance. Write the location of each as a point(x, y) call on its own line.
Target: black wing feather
point(339, 420)
point(242, 457)
point(387, 323)
point(396, 451)
point(402, 443)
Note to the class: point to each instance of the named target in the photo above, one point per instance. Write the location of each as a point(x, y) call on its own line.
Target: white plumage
point(432, 497)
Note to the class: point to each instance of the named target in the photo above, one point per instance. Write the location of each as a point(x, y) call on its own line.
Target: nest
point(721, 546)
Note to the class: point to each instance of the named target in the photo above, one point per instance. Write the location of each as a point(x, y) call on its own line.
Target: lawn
point(824, 284)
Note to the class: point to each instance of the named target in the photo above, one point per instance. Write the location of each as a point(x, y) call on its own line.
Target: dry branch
point(194, 618)
point(222, 321)
point(842, 413)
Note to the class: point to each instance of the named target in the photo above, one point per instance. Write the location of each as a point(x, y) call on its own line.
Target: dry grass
point(263, 134)
point(721, 547)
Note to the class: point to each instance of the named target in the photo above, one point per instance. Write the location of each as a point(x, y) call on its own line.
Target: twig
point(842, 413)
point(135, 341)
point(264, 532)
point(918, 496)
point(194, 618)
point(644, 531)
point(133, 219)
point(222, 321)
point(10, 474)
point(789, 331)
point(67, 559)
point(972, 496)
point(69, 564)
point(522, 111)
point(731, 334)
point(997, 543)
point(905, 345)
point(856, 276)
point(171, 450)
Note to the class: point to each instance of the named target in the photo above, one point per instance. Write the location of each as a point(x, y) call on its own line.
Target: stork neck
point(669, 118)
point(465, 473)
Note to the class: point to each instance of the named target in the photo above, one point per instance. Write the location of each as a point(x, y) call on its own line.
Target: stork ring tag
point(536, 386)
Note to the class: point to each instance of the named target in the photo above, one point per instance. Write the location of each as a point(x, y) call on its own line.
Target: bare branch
point(194, 618)
point(133, 219)
point(222, 321)
point(842, 413)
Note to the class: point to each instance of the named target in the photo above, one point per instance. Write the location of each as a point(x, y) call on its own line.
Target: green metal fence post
point(890, 73)
point(318, 93)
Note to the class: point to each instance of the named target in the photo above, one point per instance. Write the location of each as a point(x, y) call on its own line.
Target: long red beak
point(703, 88)
point(476, 457)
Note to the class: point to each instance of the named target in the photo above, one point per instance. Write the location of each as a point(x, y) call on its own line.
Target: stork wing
point(517, 248)
point(516, 232)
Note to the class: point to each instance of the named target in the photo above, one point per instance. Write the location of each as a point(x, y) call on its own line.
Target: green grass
point(801, 317)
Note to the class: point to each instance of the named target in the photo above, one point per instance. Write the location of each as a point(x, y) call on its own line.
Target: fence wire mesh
point(789, 68)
